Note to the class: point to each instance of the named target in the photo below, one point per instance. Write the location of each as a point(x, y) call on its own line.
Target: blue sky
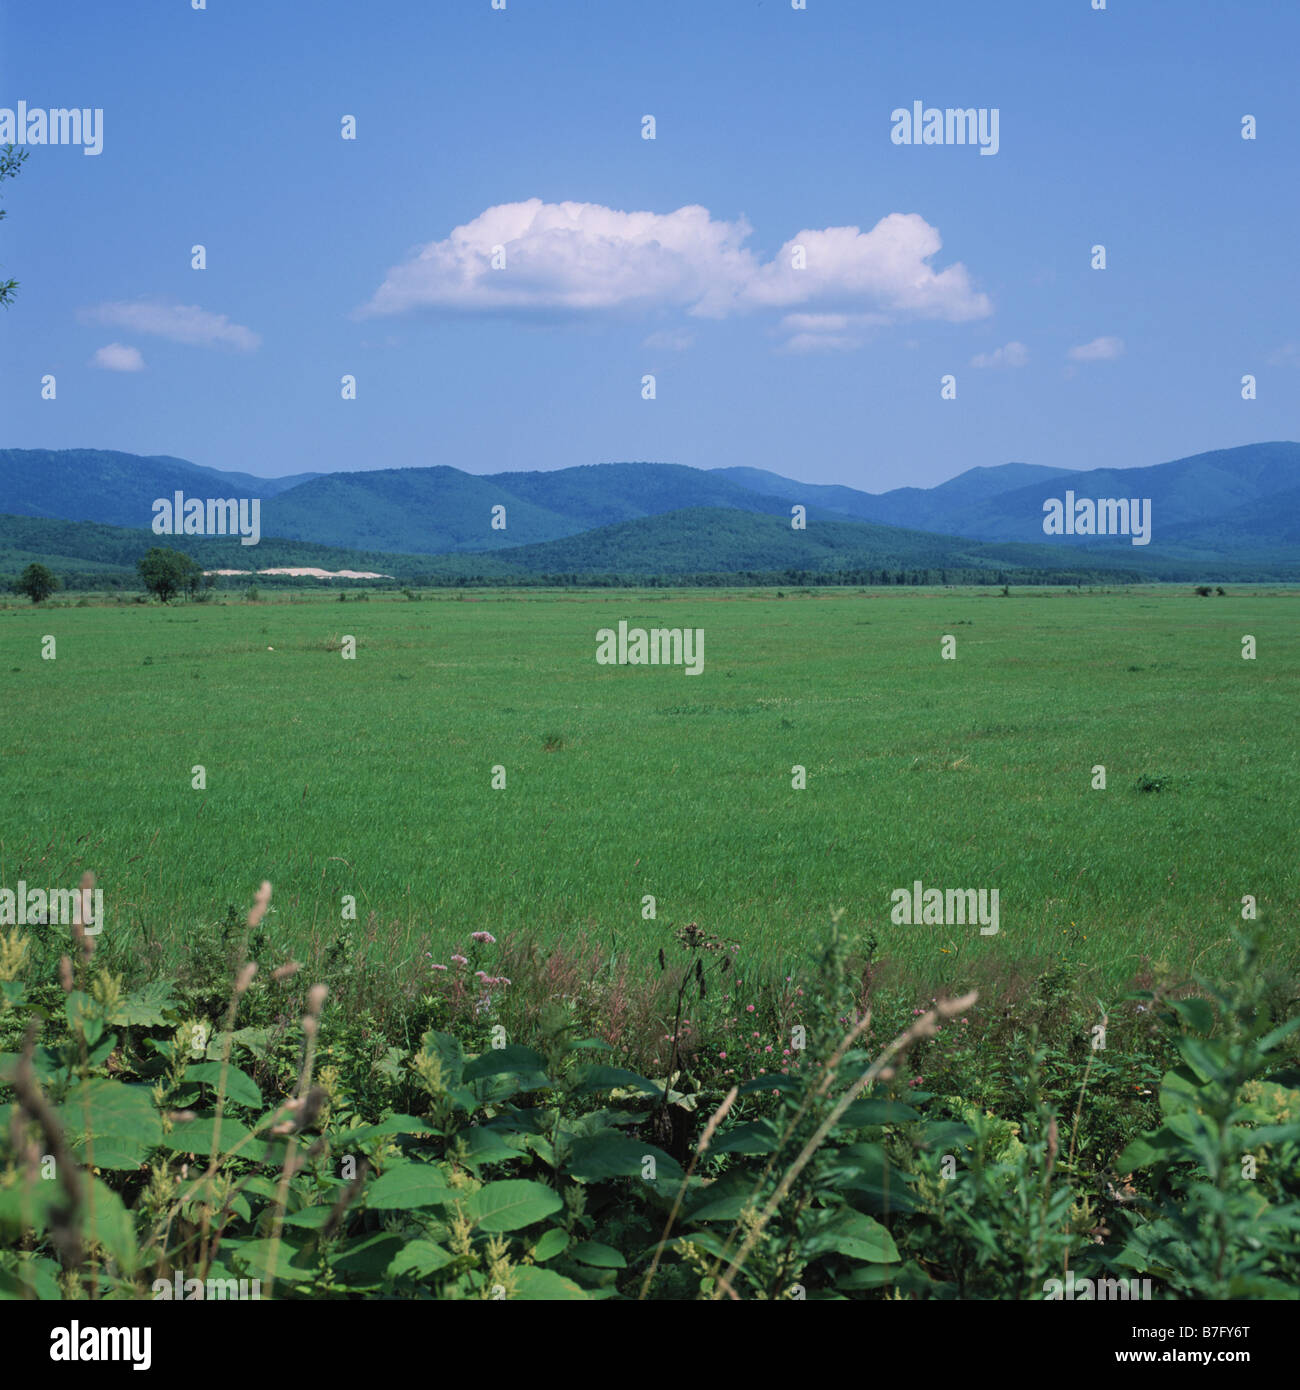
point(222, 127)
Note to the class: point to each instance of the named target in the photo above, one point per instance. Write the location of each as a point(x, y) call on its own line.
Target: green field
point(372, 777)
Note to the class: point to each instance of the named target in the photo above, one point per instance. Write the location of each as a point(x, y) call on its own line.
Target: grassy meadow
point(373, 777)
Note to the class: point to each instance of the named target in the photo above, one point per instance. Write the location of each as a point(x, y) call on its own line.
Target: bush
point(277, 1133)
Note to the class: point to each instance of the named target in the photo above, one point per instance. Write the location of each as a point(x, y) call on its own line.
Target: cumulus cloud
point(114, 357)
point(587, 258)
point(1099, 350)
point(572, 256)
point(1013, 355)
point(886, 267)
point(181, 323)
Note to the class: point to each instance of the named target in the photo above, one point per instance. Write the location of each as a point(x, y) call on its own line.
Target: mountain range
point(1230, 511)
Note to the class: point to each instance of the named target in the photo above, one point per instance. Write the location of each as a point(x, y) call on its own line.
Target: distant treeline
point(89, 581)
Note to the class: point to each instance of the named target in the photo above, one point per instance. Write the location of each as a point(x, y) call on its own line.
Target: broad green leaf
point(1179, 1091)
point(256, 1040)
point(214, 1195)
point(486, 1145)
point(419, 1258)
point(939, 1134)
point(293, 1262)
point(533, 1283)
point(240, 1087)
point(107, 1221)
point(449, 1052)
point(84, 1016)
point(877, 1111)
point(592, 1252)
point(1284, 1030)
point(1274, 1134)
point(551, 1244)
point(542, 1147)
point(1147, 1149)
point(864, 1168)
point(611, 1155)
point(1197, 1013)
point(391, 1124)
point(26, 1207)
point(1205, 1058)
point(853, 1234)
point(403, 1185)
point(511, 1204)
point(310, 1218)
point(145, 1007)
point(195, 1137)
point(872, 1276)
point(47, 1064)
point(368, 1257)
point(754, 1137)
point(34, 1277)
point(599, 1077)
point(512, 1060)
point(723, 1206)
point(122, 1122)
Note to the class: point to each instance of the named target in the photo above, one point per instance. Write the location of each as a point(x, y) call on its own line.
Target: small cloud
point(181, 323)
point(1099, 350)
point(820, 342)
point(670, 340)
point(1013, 355)
point(827, 332)
point(114, 357)
point(1288, 355)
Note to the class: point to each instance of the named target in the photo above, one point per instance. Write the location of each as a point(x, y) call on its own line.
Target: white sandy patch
point(307, 572)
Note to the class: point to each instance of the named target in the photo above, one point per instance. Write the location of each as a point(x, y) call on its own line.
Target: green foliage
point(533, 1172)
point(166, 573)
point(11, 161)
point(1224, 1218)
point(37, 582)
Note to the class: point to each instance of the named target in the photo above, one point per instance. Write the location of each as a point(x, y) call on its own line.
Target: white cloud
point(1099, 350)
point(886, 267)
point(114, 357)
point(1288, 355)
point(670, 340)
point(821, 342)
point(181, 323)
point(827, 332)
point(1013, 355)
point(586, 258)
